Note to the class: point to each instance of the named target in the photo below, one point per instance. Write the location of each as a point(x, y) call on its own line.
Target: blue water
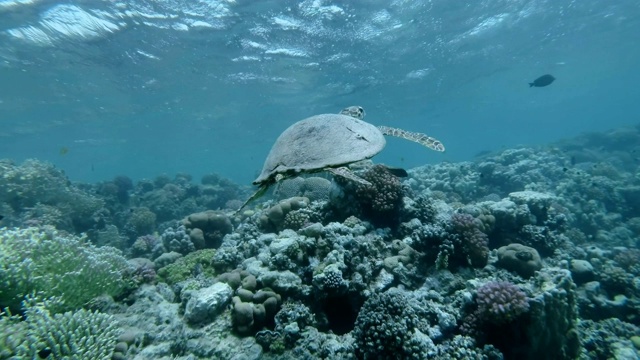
point(143, 87)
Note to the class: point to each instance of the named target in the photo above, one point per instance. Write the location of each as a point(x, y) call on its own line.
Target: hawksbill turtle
point(329, 142)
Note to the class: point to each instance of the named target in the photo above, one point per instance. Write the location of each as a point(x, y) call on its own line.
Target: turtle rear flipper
point(261, 190)
point(420, 138)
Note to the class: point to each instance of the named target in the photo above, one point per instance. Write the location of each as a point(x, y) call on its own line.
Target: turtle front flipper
point(420, 138)
point(261, 190)
point(347, 174)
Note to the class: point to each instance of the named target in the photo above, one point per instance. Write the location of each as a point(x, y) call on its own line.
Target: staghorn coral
point(78, 334)
point(50, 264)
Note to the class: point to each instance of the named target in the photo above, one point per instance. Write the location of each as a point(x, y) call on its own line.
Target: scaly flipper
point(261, 190)
point(420, 138)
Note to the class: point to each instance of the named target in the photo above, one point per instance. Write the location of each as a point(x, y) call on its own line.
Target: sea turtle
point(329, 142)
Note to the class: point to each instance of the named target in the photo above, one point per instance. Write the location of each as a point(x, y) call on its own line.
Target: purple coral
point(144, 275)
point(501, 302)
point(475, 243)
point(381, 201)
point(462, 222)
point(386, 193)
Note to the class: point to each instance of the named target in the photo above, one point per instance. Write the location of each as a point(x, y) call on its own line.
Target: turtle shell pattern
point(319, 142)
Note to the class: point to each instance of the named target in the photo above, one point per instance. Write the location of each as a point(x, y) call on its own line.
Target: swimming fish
point(64, 150)
point(1, 217)
point(399, 172)
point(543, 80)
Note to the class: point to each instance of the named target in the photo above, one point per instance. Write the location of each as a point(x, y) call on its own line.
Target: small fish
point(1, 217)
point(542, 81)
point(399, 172)
point(64, 150)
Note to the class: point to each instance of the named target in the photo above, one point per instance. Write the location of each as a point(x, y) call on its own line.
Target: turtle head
point(354, 111)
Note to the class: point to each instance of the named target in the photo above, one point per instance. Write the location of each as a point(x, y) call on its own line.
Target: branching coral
point(384, 328)
point(50, 264)
point(36, 183)
point(501, 302)
point(474, 242)
point(379, 202)
point(79, 334)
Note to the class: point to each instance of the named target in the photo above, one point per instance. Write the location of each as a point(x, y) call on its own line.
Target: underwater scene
point(319, 179)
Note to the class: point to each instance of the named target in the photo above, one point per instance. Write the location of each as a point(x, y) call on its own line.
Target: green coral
point(41, 186)
point(143, 221)
point(184, 267)
point(44, 262)
point(79, 334)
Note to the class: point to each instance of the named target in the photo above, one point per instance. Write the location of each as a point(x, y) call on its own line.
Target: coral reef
point(528, 253)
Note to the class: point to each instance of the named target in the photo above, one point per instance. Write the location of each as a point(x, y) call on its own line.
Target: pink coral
point(501, 302)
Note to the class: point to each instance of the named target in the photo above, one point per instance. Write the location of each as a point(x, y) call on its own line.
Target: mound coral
point(207, 228)
point(275, 218)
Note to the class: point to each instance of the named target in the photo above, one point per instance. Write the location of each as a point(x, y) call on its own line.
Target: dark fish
point(64, 150)
point(1, 217)
point(399, 172)
point(543, 80)
point(42, 354)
